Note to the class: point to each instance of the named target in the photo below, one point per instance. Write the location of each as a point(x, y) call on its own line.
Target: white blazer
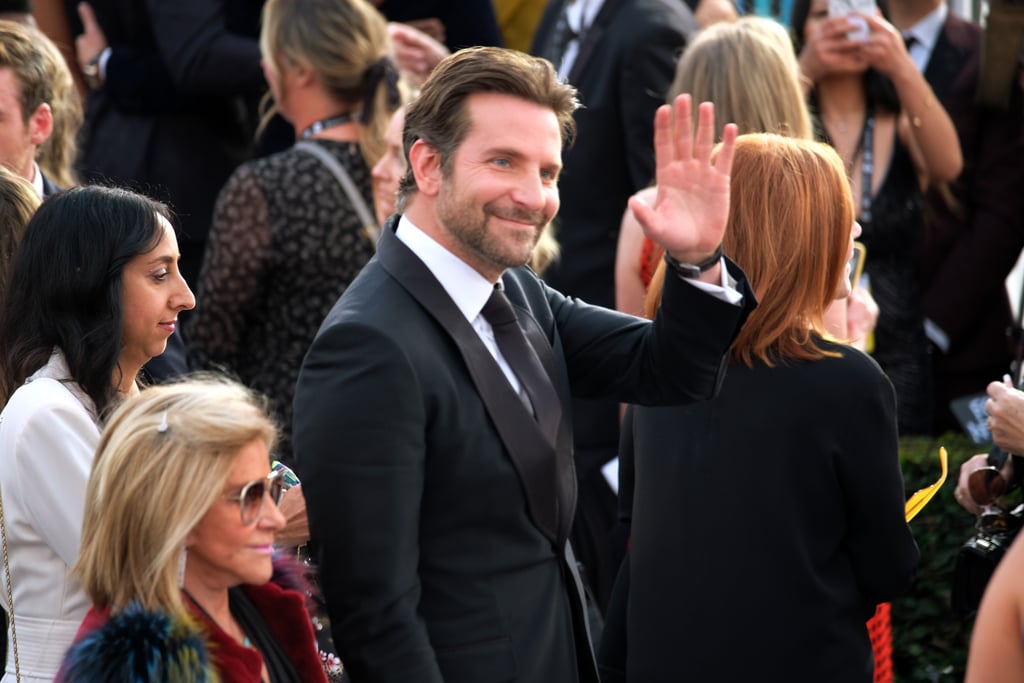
point(49, 431)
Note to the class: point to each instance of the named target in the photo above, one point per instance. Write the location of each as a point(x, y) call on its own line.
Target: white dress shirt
point(466, 287)
point(37, 179)
point(580, 14)
point(470, 290)
point(925, 34)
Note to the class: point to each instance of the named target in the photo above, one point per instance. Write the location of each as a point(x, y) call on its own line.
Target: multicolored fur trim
point(136, 646)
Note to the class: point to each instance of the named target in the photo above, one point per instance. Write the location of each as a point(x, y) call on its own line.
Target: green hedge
point(929, 641)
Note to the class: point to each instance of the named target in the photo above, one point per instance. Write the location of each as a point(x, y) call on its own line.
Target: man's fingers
point(663, 145)
point(87, 16)
point(682, 129)
point(723, 162)
point(644, 214)
point(705, 132)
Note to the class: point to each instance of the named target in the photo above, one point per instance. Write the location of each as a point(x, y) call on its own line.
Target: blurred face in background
point(20, 135)
point(390, 169)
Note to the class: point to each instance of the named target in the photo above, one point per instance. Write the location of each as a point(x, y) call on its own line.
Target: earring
point(182, 560)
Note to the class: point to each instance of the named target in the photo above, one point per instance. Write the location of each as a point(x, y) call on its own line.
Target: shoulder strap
point(10, 592)
point(339, 172)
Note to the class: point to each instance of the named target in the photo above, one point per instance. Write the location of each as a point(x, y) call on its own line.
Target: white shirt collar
point(926, 33)
point(37, 179)
point(467, 288)
point(580, 15)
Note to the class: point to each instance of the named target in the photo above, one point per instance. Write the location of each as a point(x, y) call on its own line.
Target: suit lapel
point(532, 454)
point(945, 62)
point(592, 38)
point(556, 427)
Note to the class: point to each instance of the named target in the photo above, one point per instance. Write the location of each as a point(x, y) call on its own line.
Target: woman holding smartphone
point(874, 107)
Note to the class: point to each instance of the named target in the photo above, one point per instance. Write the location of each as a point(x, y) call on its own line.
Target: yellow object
point(517, 21)
point(921, 498)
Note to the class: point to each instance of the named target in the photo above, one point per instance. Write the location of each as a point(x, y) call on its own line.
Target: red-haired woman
point(768, 522)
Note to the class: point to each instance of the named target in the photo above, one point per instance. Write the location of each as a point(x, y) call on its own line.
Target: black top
point(767, 525)
point(16, 6)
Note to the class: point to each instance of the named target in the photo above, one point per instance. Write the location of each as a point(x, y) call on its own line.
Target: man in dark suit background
point(29, 64)
point(970, 245)
point(171, 111)
point(621, 57)
point(435, 450)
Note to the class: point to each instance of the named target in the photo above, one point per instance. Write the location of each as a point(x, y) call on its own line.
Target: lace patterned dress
point(284, 244)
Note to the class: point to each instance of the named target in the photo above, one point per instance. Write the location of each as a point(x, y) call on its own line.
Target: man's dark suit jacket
point(49, 187)
point(625, 65)
point(623, 70)
point(465, 23)
point(177, 112)
point(441, 538)
point(968, 250)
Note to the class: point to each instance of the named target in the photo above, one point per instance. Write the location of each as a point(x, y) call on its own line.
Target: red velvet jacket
point(283, 609)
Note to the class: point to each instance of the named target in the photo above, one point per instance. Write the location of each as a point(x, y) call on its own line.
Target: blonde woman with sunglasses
point(177, 547)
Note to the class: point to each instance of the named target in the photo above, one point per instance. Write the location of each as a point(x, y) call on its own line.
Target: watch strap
point(692, 271)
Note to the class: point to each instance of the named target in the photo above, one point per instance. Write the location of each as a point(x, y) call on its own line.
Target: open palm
point(691, 208)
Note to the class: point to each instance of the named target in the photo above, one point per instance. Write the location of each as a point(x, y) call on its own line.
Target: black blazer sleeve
point(201, 54)
point(973, 245)
point(370, 580)
point(138, 82)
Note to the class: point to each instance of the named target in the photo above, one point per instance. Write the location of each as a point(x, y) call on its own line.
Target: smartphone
point(857, 263)
point(852, 9)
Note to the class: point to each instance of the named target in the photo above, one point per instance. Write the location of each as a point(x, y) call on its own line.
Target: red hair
point(791, 213)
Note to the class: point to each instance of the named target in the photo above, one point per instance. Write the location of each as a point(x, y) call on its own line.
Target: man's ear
point(40, 124)
point(425, 162)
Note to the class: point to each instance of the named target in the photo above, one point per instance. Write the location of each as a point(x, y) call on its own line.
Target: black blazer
point(439, 506)
point(623, 71)
point(775, 509)
point(49, 187)
point(966, 252)
point(176, 113)
point(466, 22)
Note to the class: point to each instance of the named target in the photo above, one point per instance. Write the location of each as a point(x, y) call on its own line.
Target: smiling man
point(432, 428)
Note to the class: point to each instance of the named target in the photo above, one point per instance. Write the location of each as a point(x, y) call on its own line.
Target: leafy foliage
point(929, 641)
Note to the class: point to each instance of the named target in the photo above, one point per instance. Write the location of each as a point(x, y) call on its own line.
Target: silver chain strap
point(10, 592)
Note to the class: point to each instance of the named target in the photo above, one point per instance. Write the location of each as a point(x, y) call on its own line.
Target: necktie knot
point(498, 310)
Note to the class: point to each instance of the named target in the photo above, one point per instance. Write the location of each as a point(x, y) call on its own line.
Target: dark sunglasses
point(252, 496)
point(985, 485)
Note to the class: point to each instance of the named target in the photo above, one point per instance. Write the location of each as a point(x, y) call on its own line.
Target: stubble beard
point(471, 228)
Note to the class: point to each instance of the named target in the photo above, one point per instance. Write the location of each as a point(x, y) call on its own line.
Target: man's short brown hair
point(438, 114)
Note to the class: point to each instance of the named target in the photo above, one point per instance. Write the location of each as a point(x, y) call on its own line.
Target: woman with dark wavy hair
point(94, 293)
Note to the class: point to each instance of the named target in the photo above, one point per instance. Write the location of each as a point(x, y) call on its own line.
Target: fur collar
point(136, 646)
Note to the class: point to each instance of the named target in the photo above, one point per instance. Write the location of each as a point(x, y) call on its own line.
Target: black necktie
point(561, 35)
point(909, 41)
point(520, 356)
